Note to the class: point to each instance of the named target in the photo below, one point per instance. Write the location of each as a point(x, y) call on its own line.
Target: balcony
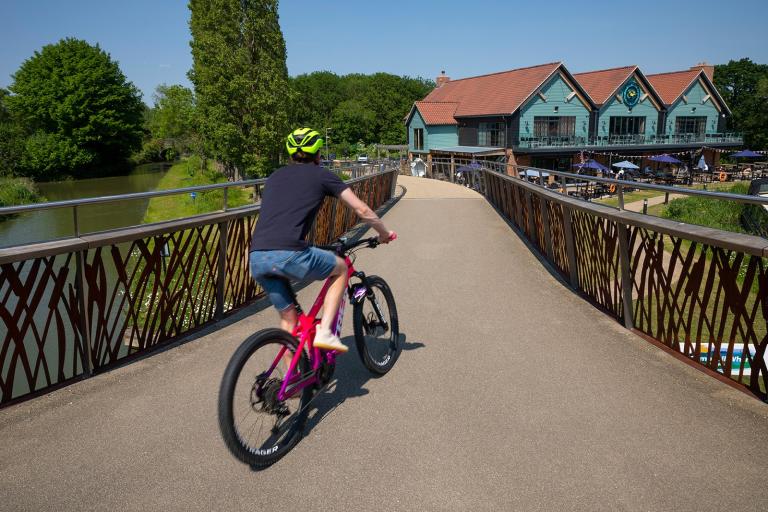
point(630, 140)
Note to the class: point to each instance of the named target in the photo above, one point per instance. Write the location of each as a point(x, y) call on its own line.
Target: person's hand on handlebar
point(385, 239)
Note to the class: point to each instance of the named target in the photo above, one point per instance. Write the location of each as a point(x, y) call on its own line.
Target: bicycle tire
point(374, 363)
point(259, 458)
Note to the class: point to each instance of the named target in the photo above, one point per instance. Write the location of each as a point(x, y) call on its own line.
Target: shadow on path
point(349, 382)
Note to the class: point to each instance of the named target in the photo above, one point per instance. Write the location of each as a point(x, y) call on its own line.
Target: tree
point(84, 116)
point(744, 87)
point(172, 120)
point(11, 139)
point(241, 82)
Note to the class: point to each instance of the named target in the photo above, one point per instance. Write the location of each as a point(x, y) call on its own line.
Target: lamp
point(693, 109)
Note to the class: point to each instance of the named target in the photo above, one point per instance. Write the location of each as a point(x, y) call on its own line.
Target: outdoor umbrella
point(746, 154)
point(702, 164)
point(665, 159)
point(591, 164)
point(626, 164)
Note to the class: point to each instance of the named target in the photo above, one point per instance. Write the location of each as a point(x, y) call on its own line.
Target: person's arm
point(366, 214)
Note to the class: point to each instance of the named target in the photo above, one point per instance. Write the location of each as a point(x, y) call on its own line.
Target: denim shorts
point(267, 267)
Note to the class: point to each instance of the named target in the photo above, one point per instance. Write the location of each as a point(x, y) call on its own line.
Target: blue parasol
point(665, 159)
point(746, 154)
point(591, 164)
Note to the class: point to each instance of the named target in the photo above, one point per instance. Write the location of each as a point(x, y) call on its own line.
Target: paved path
point(637, 206)
point(512, 394)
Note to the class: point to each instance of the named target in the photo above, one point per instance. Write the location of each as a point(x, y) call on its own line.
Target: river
point(56, 223)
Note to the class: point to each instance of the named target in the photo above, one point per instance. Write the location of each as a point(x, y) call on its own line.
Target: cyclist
point(292, 197)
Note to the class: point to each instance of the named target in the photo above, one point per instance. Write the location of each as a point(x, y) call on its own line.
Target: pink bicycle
point(273, 376)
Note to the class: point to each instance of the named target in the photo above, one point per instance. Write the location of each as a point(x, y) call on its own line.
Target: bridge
point(533, 377)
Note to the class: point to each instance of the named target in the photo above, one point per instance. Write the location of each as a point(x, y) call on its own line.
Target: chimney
point(709, 69)
point(442, 79)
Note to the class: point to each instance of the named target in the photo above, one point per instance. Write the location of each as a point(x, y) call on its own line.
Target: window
point(696, 125)
point(490, 134)
point(627, 125)
point(554, 126)
point(418, 138)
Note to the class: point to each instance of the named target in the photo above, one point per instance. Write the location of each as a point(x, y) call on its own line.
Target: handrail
point(139, 195)
point(500, 168)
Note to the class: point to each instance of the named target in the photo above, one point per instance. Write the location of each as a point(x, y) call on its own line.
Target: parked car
point(362, 158)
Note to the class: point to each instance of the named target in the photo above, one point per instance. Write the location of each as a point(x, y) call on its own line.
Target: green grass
point(639, 195)
point(17, 191)
point(188, 173)
point(725, 215)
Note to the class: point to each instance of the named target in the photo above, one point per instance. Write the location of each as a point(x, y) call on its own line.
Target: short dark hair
point(304, 158)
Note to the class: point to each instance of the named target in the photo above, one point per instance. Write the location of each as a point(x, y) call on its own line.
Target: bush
point(16, 191)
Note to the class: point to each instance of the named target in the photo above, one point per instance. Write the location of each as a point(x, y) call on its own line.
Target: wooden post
point(626, 279)
point(429, 165)
point(570, 247)
point(453, 169)
point(511, 163)
point(222, 270)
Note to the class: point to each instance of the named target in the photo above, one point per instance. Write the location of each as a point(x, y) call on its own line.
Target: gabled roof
point(602, 84)
point(494, 94)
point(437, 112)
point(672, 85)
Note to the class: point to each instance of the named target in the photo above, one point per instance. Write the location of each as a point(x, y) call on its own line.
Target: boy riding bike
point(292, 197)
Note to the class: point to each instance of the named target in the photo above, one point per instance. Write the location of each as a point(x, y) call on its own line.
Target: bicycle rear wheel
point(377, 333)
point(258, 428)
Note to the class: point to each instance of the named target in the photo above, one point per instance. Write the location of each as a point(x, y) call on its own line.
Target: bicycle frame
point(305, 330)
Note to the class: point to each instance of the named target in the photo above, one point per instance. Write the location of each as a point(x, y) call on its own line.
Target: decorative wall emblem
point(631, 94)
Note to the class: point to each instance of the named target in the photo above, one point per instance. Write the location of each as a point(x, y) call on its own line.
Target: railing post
point(87, 360)
point(222, 270)
point(620, 190)
point(226, 198)
point(570, 246)
point(626, 278)
point(544, 205)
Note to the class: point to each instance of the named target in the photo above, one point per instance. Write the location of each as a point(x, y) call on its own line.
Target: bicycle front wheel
point(377, 333)
point(257, 427)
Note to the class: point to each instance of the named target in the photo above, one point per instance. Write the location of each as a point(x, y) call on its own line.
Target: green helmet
point(305, 140)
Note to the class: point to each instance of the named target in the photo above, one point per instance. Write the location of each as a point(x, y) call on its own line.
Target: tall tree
point(85, 117)
point(11, 138)
point(744, 86)
point(241, 82)
point(172, 119)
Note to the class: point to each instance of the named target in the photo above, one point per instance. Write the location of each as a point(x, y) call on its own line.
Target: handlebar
point(343, 246)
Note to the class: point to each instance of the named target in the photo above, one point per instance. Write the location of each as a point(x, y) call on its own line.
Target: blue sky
point(150, 38)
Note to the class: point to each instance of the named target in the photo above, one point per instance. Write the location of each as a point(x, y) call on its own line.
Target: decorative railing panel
point(597, 260)
point(84, 304)
point(42, 344)
point(700, 292)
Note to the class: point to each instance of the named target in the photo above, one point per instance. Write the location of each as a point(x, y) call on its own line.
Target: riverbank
point(189, 173)
point(17, 191)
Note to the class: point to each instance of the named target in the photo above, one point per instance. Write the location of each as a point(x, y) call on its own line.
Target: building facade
point(544, 116)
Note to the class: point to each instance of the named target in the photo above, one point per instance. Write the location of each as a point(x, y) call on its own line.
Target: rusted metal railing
point(73, 307)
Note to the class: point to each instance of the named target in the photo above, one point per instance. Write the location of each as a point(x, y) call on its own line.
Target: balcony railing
point(630, 140)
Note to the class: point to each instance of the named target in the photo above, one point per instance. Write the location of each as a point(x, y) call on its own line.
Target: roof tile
point(671, 85)
point(600, 85)
point(437, 112)
point(495, 94)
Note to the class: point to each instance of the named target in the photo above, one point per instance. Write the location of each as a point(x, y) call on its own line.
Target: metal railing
point(699, 292)
point(445, 169)
point(352, 171)
point(74, 307)
point(629, 140)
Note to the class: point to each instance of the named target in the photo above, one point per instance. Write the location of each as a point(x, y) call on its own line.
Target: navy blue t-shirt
point(292, 197)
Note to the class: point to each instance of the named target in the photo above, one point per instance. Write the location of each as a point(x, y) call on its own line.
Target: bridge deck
point(511, 394)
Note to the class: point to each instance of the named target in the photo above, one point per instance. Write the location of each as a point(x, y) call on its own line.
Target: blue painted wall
point(694, 94)
point(613, 107)
point(435, 136)
point(556, 90)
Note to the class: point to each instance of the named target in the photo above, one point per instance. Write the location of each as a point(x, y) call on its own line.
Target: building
point(545, 116)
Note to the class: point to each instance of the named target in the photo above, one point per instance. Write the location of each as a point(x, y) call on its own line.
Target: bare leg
point(288, 319)
point(334, 294)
